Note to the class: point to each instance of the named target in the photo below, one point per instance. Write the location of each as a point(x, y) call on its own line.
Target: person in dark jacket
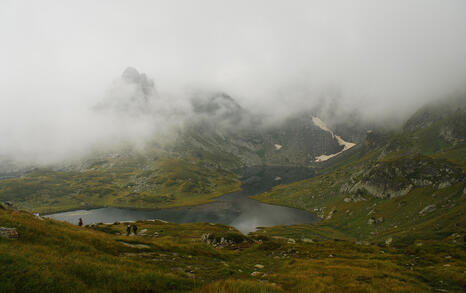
point(135, 229)
point(128, 230)
point(80, 222)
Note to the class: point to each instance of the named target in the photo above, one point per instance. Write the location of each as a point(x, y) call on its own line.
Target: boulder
point(331, 213)
point(219, 241)
point(291, 241)
point(389, 241)
point(444, 185)
point(259, 266)
point(428, 209)
point(6, 205)
point(9, 233)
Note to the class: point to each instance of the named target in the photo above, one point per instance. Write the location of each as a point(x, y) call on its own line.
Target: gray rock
point(444, 185)
point(9, 233)
point(331, 213)
point(389, 241)
point(291, 241)
point(428, 209)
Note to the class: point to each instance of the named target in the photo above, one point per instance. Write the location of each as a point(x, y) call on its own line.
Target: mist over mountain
point(133, 94)
point(365, 63)
point(232, 146)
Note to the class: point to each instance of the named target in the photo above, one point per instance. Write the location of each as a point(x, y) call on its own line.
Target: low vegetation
point(55, 256)
point(160, 183)
point(395, 188)
point(393, 213)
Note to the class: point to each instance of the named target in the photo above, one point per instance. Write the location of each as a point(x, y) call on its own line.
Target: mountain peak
point(133, 93)
point(131, 74)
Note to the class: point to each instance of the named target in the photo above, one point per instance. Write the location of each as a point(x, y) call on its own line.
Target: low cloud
point(378, 59)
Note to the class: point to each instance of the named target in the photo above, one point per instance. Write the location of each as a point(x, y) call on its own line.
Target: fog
point(60, 60)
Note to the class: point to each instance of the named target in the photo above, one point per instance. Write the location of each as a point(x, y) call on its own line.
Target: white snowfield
point(346, 145)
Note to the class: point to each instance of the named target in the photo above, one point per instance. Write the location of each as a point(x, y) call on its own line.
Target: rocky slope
point(399, 187)
point(221, 127)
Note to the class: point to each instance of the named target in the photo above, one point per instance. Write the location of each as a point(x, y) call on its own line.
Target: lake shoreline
point(237, 209)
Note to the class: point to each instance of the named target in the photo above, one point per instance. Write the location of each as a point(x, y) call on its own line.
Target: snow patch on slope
point(346, 145)
point(321, 124)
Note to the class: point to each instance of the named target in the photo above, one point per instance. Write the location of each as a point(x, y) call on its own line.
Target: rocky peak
point(132, 93)
point(145, 84)
point(219, 102)
point(219, 106)
point(131, 75)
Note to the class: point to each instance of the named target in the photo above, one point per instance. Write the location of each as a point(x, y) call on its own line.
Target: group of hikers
point(128, 228)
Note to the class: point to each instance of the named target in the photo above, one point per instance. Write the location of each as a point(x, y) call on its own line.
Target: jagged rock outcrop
point(390, 179)
point(6, 205)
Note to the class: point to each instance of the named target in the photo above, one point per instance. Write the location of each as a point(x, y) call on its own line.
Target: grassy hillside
point(140, 184)
point(54, 256)
point(393, 216)
point(398, 188)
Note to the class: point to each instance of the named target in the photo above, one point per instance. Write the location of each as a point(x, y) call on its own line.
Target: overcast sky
point(385, 57)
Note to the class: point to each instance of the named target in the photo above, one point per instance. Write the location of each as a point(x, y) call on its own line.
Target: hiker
point(135, 229)
point(80, 224)
point(128, 230)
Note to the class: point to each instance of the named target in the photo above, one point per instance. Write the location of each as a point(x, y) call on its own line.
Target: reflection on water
point(234, 209)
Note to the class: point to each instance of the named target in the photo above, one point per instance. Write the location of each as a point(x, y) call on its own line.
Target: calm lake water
point(234, 209)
